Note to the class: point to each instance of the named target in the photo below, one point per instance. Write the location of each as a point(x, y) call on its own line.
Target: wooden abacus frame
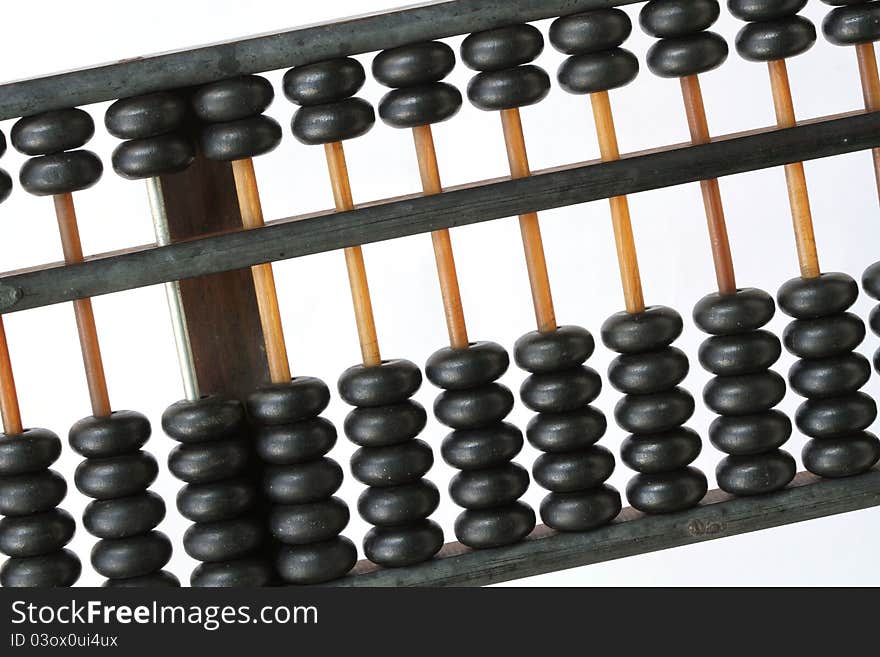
point(210, 253)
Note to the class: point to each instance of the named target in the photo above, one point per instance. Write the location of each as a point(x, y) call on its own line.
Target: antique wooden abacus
point(259, 486)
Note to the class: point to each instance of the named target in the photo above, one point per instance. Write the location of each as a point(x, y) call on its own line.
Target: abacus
point(254, 448)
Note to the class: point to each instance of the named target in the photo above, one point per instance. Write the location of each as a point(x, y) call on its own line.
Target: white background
point(669, 225)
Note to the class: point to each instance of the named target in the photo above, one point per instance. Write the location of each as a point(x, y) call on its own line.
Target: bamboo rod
point(354, 259)
point(871, 88)
point(9, 409)
point(796, 178)
point(718, 237)
point(65, 212)
point(443, 253)
point(627, 256)
point(533, 243)
point(264, 277)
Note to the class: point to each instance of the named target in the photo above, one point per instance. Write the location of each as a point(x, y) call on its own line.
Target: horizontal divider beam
point(719, 516)
point(470, 204)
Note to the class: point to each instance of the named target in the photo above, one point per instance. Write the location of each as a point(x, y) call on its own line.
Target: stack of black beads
point(685, 45)
point(5, 180)
point(871, 285)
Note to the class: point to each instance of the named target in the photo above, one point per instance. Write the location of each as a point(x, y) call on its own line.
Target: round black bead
point(781, 39)
point(871, 281)
point(842, 457)
point(155, 156)
point(145, 116)
point(756, 475)
point(502, 48)
point(825, 336)
point(398, 505)
point(31, 493)
point(460, 369)
point(670, 19)
point(301, 524)
point(61, 568)
point(414, 65)
point(125, 516)
point(561, 392)
point(324, 82)
point(121, 433)
point(52, 132)
point(764, 10)
point(654, 329)
point(61, 173)
point(418, 106)
point(745, 353)
point(829, 418)
point(243, 573)
point(748, 435)
point(398, 547)
point(601, 71)
point(746, 394)
point(37, 534)
point(590, 32)
point(654, 413)
point(302, 484)
point(567, 432)
point(661, 452)
point(31, 451)
point(2, 144)
point(489, 488)
point(216, 501)
point(223, 541)
point(640, 374)
point(668, 492)
point(474, 409)
point(727, 314)
point(236, 140)
point(391, 382)
point(207, 462)
point(105, 479)
point(385, 425)
point(135, 556)
point(392, 466)
point(689, 55)
point(551, 351)
point(830, 377)
point(209, 418)
point(574, 471)
point(491, 528)
point(5, 185)
point(316, 563)
point(581, 511)
point(475, 449)
point(301, 399)
point(811, 298)
point(162, 579)
point(847, 26)
point(295, 443)
point(233, 100)
point(509, 88)
point(315, 125)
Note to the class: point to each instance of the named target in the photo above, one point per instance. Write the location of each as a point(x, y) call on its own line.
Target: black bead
point(118, 434)
point(414, 65)
point(385, 425)
point(61, 173)
point(216, 501)
point(460, 369)
point(689, 55)
point(52, 132)
point(561, 392)
point(661, 452)
point(750, 434)
point(475, 449)
point(654, 413)
point(842, 457)
point(301, 399)
point(61, 568)
point(154, 156)
point(781, 39)
point(302, 484)
point(31, 493)
point(551, 351)
point(209, 418)
point(601, 71)
point(847, 26)
point(474, 409)
point(398, 547)
point(124, 516)
point(871, 281)
point(493, 528)
point(162, 579)
point(417, 106)
point(316, 563)
point(242, 573)
point(756, 475)
point(105, 479)
point(509, 88)
point(668, 492)
point(31, 451)
point(392, 382)
point(567, 432)
point(726, 314)
point(398, 505)
point(574, 471)
point(37, 534)
point(829, 377)
point(301, 524)
point(825, 336)
point(236, 140)
point(670, 19)
point(502, 48)
point(324, 124)
point(746, 353)
point(233, 100)
point(746, 394)
point(829, 418)
point(489, 488)
point(203, 463)
point(324, 82)
point(654, 329)
point(648, 373)
point(812, 298)
point(764, 10)
point(223, 541)
point(392, 466)
point(5, 185)
point(131, 557)
point(590, 32)
point(295, 443)
point(2, 144)
point(581, 511)
point(145, 116)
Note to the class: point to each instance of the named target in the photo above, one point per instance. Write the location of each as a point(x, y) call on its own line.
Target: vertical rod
point(798, 196)
point(172, 292)
point(443, 254)
point(9, 408)
point(536, 261)
point(264, 277)
point(354, 259)
point(623, 233)
point(65, 212)
point(871, 88)
point(699, 129)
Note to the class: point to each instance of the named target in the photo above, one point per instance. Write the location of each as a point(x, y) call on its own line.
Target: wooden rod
point(699, 129)
point(264, 277)
point(443, 253)
point(796, 178)
point(9, 409)
point(533, 243)
point(354, 259)
point(871, 88)
point(65, 212)
point(627, 256)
